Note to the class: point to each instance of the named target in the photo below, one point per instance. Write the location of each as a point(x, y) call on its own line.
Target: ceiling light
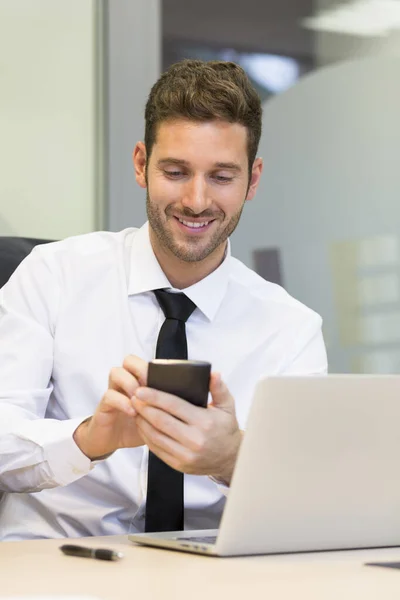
point(369, 18)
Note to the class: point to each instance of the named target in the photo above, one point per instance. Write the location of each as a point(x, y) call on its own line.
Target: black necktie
point(164, 504)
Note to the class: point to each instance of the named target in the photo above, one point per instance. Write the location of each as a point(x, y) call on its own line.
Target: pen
point(100, 553)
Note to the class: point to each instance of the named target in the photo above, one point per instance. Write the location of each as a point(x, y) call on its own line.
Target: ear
point(139, 159)
point(255, 178)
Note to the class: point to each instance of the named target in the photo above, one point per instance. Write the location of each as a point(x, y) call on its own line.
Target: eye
point(173, 174)
point(222, 179)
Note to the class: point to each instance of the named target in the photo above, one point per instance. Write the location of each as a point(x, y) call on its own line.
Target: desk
point(39, 568)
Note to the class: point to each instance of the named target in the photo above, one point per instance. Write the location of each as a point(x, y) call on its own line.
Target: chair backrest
point(13, 250)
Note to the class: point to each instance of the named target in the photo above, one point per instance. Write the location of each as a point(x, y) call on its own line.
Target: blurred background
point(74, 77)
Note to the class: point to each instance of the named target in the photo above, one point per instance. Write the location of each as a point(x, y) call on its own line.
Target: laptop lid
point(319, 467)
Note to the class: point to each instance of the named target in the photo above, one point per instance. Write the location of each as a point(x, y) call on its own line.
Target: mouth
point(194, 227)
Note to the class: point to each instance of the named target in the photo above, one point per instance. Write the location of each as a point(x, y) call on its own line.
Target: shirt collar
point(146, 275)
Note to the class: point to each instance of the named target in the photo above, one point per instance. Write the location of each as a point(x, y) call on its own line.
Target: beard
point(192, 249)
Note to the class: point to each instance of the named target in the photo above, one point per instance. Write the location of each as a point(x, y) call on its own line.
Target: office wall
point(74, 80)
point(133, 65)
point(253, 25)
point(48, 112)
point(329, 201)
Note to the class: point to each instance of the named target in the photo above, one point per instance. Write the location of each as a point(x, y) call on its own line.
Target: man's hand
point(113, 424)
point(189, 438)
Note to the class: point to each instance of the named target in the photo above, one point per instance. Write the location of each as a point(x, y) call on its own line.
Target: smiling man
point(81, 318)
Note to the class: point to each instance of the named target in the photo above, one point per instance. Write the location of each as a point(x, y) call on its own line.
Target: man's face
point(197, 183)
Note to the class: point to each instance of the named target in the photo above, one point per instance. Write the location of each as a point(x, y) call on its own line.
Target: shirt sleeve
point(35, 452)
point(307, 356)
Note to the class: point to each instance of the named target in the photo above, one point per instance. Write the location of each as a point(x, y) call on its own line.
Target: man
point(80, 319)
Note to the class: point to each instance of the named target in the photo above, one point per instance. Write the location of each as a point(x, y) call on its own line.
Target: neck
point(180, 273)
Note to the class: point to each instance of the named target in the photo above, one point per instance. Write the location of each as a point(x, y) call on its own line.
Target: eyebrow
point(231, 166)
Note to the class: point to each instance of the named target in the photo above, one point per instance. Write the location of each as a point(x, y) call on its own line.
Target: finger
point(177, 407)
point(221, 397)
point(166, 457)
point(116, 401)
point(168, 450)
point(122, 381)
point(137, 367)
point(165, 423)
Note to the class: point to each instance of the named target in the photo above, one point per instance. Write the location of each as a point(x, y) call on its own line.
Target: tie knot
point(175, 306)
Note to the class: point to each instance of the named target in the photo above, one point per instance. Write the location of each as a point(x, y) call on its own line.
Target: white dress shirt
point(73, 310)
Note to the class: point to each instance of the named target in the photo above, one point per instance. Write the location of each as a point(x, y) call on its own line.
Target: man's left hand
point(189, 438)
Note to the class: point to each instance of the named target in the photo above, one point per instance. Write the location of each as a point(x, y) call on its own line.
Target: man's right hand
point(113, 424)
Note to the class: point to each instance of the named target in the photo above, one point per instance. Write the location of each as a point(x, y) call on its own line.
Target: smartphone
point(188, 379)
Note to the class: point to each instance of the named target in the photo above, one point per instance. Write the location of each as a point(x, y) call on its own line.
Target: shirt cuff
point(65, 459)
point(223, 488)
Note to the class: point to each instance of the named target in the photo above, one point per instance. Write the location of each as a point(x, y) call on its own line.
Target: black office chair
point(12, 251)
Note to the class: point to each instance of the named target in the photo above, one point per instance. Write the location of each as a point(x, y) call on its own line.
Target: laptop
point(318, 469)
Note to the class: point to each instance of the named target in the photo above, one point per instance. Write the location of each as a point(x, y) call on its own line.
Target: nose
point(196, 196)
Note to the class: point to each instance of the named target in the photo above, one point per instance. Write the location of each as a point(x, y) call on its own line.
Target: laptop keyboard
point(206, 539)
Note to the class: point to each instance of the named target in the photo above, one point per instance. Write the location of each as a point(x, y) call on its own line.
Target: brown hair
point(204, 91)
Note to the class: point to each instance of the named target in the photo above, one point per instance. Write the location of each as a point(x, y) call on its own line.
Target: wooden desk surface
point(39, 568)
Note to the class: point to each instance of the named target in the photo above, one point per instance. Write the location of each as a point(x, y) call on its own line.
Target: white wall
point(47, 117)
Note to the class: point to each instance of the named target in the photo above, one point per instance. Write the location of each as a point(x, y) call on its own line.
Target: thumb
point(221, 397)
